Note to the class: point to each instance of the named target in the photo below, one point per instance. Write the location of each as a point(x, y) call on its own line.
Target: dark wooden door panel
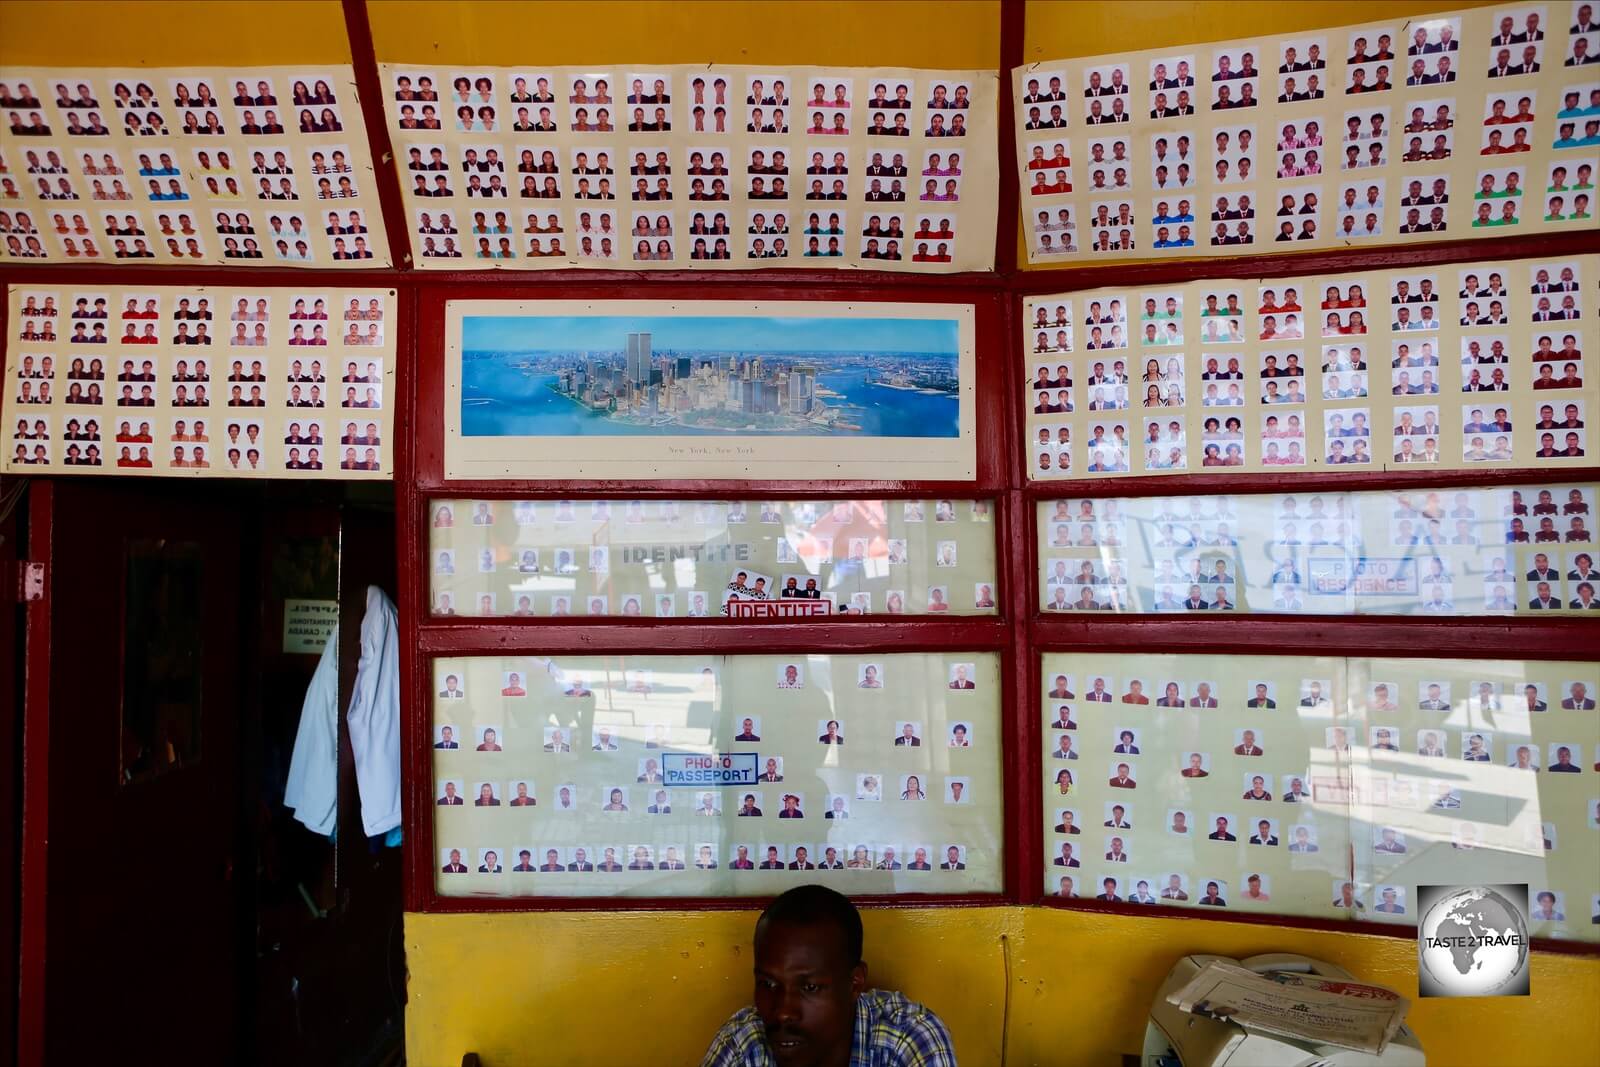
point(143, 774)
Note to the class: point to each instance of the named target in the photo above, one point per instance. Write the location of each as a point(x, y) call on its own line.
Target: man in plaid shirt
point(812, 1005)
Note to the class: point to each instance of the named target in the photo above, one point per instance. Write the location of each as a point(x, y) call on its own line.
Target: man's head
point(808, 973)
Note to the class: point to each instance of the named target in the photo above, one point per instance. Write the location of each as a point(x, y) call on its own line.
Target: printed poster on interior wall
point(696, 166)
point(1468, 124)
point(238, 167)
point(199, 381)
point(709, 389)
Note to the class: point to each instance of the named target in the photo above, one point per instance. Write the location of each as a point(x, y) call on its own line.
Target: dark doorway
point(180, 896)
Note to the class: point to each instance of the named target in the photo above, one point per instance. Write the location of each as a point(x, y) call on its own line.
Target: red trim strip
point(369, 85)
point(1339, 261)
point(1325, 482)
point(1293, 922)
point(1298, 635)
point(532, 284)
point(617, 636)
point(1013, 18)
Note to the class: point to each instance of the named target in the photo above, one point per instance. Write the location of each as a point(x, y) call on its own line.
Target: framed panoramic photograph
point(616, 389)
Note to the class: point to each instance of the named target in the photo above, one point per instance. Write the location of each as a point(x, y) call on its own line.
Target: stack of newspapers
point(1301, 1007)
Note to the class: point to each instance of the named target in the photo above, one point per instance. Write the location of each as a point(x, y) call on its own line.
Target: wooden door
point(139, 778)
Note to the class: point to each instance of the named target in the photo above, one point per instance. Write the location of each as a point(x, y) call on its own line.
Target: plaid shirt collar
point(890, 1031)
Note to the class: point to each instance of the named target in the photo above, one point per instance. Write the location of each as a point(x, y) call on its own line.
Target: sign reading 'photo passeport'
point(1472, 941)
point(688, 768)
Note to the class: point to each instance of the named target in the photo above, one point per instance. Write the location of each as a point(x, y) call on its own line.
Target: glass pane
point(1323, 786)
point(1191, 781)
point(1436, 552)
point(717, 775)
point(163, 654)
point(1478, 772)
point(692, 559)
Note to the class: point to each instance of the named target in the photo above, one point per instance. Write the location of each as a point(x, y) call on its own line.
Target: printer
point(1176, 1038)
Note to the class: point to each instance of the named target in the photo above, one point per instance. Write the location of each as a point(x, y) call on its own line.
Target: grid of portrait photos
point(1474, 123)
point(1320, 786)
point(1374, 369)
point(668, 559)
point(1527, 549)
point(260, 166)
point(717, 776)
point(647, 166)
point(199, 381)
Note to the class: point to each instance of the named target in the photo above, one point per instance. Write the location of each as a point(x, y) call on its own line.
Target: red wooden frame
point(1281, 264)
point(1020, 633)
point(1395, 640)
point(424, 479)
point(991, 319)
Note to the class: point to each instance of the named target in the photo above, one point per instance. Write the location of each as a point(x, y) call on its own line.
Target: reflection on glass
point(161, 671)
point(691, 776)
point(705, 559)
point(1193, 781)
point(1477, 771)
point(1322, 786)
point(1442, 552)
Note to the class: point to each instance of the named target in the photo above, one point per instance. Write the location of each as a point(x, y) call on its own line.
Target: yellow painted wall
point(622, 988)
point(172, 33)
point(1067, 29)
point(960, 34)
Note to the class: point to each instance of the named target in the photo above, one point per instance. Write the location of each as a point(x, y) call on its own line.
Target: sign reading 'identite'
point(705, 553)
point(778, 609)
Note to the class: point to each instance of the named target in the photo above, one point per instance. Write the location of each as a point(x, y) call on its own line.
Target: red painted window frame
point(1464, 638)
point(426, 637)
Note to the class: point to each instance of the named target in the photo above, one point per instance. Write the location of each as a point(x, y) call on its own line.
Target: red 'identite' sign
point(778, 609)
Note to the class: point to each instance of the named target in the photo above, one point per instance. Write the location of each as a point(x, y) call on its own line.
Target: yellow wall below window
point(950, 34)
point(172, 33)
point(588, 989)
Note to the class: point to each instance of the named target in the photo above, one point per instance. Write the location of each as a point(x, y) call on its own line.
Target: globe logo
point(1473, 942)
